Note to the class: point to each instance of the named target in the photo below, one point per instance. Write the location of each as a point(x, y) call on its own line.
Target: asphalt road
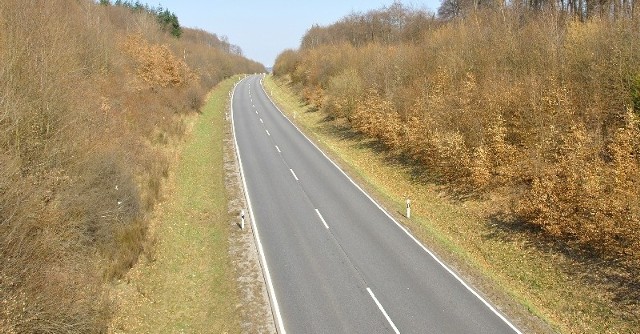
point(336, 262)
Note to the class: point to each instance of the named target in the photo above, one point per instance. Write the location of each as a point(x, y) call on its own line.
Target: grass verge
point(540, 289)
point(187, 284)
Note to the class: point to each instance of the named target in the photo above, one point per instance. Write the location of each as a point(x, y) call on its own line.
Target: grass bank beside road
point(187, 283)
point(538, 288)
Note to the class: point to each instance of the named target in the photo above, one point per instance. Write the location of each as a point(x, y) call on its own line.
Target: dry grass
point(527, 276)
point(187, 285)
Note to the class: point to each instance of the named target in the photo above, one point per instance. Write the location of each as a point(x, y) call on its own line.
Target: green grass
point(528, 282)
point(189, 285)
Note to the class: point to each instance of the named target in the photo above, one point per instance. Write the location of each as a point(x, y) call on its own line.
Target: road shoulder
point(201, 274)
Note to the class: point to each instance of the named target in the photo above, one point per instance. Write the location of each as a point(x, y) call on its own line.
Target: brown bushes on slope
point(537, 103)
point(156, 65)
point(86, 113)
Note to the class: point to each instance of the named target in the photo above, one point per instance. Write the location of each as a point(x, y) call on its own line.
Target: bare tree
point(450, 9)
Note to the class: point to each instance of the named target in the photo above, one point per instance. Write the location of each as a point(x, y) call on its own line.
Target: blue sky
point(263, 29)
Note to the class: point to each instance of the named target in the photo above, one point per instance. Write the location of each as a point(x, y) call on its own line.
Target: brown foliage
point(156, 65)
point(90, 98)
point(539, 104)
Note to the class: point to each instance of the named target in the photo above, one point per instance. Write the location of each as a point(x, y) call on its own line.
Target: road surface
point(336, 262)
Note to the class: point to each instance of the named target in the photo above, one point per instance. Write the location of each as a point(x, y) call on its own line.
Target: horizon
point(261, 32)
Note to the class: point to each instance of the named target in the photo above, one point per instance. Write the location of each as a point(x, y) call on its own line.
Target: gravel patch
point(254, 307)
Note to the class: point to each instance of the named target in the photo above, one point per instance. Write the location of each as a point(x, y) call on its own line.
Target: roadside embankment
point(189, 282)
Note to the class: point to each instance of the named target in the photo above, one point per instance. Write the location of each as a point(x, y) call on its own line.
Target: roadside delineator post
point(408, 208)
point(242, 219)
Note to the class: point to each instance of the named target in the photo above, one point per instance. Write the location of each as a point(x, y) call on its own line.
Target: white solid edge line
point(294, 174)
point(485, 302)
point(322, 219)
point(263, 260)
point(386, 316)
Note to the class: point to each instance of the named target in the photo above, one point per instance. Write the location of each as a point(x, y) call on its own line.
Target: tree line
point(582, 9)
point(167, 19)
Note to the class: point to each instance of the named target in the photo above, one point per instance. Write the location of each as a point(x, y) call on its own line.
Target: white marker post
point(408, 208)
point(242, 219)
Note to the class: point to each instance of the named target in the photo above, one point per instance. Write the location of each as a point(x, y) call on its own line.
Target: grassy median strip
point(187, 284)
point(527, 282)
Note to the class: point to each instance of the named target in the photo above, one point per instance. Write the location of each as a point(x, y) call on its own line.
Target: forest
point(94, 98)
point(534, 103)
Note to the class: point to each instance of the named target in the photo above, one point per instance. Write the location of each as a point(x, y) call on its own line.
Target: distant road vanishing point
point(336, 261)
